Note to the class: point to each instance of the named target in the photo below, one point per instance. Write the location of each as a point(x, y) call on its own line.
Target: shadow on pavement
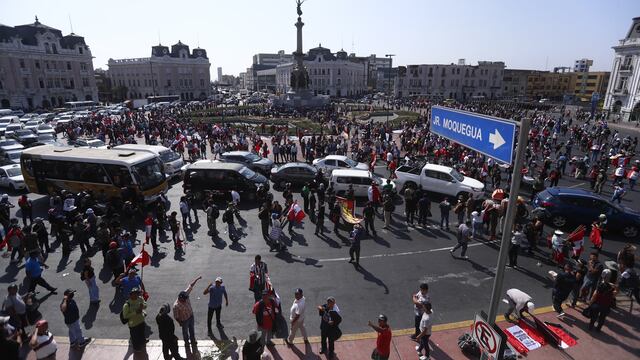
point(372, 278)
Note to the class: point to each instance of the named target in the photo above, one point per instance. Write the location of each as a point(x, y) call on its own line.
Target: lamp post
point(390, 56)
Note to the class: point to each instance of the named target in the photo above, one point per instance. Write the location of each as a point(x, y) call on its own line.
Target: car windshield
point(169, 156)
point(14, 155)
point(351, 162)
point(5, 122)
point(456, 175)
point(31, 122)
point(24, 132)
point(148, 174)
point(8, 142)
point(46, 137)
point(248, 173)
point(14, 172)
point(377, 179)
point(45, 127)
point(14, 127)
point(253, 157)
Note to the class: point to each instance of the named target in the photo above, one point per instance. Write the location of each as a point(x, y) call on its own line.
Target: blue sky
point(523, 34)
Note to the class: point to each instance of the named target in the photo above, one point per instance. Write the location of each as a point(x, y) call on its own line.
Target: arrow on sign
point(496, 139)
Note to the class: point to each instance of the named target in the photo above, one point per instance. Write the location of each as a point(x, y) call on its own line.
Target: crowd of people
point(568, 144)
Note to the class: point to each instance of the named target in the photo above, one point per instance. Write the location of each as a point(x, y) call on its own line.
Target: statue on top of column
point(299, 3)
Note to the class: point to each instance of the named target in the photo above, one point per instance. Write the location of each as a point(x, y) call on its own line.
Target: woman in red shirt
point(383, 342)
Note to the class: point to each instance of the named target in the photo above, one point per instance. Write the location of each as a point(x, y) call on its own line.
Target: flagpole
point(142, 264)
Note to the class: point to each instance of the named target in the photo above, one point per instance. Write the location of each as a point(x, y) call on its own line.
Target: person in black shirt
point(253, 348)
point(329, 326)
point(71, 315)
point(368, 214)
point(564, 285)
point(166, 332)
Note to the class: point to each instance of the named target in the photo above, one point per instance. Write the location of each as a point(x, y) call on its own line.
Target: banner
point(527, 341)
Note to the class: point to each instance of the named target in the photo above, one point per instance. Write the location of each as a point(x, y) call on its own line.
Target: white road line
point(576, 185)
point(403, 253)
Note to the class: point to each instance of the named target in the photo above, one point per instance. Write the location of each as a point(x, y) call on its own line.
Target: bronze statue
point(299, 2)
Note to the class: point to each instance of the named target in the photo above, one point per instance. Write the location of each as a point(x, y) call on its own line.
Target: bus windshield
point(148, 174)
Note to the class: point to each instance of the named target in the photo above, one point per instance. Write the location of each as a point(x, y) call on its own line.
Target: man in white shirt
point(42, 342)
point(297, 318)
point(519, 303)
point(235, 197)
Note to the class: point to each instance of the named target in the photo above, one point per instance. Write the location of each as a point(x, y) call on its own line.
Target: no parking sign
point(490, 338)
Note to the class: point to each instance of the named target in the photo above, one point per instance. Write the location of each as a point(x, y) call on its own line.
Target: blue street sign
point(488, 135)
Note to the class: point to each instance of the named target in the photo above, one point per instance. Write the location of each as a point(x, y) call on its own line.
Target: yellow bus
point(47, 169)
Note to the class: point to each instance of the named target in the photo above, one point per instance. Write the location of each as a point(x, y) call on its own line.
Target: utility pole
point(525, 124)
point(390, 56)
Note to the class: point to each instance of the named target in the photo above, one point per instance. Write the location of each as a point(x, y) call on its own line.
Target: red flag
point(143, 259)
point(595, 236)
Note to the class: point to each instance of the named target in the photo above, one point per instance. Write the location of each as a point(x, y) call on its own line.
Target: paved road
point(392, 267)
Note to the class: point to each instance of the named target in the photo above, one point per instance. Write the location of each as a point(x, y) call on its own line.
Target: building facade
point(262, 62)
point(329, 74)
point(454, 81)
point(41, 68)
point(623, 92)
point(515, 83)
point(556, 86)
point(590, 84)
point(176, 72)
point(582, 65)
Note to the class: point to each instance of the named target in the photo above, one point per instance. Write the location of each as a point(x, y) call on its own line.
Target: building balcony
point(626, 68)
point(620, 92)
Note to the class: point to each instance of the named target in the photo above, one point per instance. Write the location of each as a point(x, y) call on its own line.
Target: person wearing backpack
point(133, 314)
point(26, 209)
point(265, 312)
point(231, 227)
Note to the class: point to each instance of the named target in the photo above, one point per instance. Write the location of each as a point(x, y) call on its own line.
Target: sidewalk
point(619, 339)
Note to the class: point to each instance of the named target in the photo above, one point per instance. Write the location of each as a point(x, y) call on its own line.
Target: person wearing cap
point(33, 268)
point(258, 277)
point(129, 280)
point(114, 260)
point(557, 243)
point(216, 292)
point(10, 340)
point(253, 348)
point(166, 333)
point(26, 209)
point(265, 312)
point(297, 318)
point(14, 238)
point(183, 314)
point(71, 314)
point(133, 311)
point(15, 307)
point(591, 278)
point(40, 229)
point(383, 341)
point(519, 302)
point(329, 326)
point(42, 342)
point(354, 248)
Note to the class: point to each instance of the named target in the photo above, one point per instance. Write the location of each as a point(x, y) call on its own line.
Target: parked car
point(9, 145)
point(11, 157)
point(331, 162)
point(360, 180)
point(567, 206)
point(438, 179)
point(250, 160)
point(47, 139)
point(220, 178)
point(24, 137)
point(6, 121)
point(88, 143)
point(11, 128)
point(45, 129)
point(296, 173)
point(11, 177)
point(32, 125)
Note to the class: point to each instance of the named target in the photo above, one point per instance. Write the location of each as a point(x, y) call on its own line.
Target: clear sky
point(525, 34)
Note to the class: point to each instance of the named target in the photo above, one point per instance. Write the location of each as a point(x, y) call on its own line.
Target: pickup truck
point(438, 179)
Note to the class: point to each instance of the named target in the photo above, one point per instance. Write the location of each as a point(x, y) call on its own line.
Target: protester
point(166, 332)
point(133, 312)
point(265, 311)
point(383, 340)
point(183, 313)
point(42, 342)
point(296, 318)
point(253, 348)
point(519, 302)
point(69, 309)
point(215, 292)
point(329, 326)
point(426, 324)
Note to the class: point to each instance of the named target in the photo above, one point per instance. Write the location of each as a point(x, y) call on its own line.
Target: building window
point(68, 65)
point(37, 64)
point(442, 82)
point(201, 82)
point(41, 83)
point(72, 84)
point(180, 82)
point(83, 66)
point(22, 64)
point(54, 48)
point(168, 82)
point(26, 83)
point(80, 50)
point(46, 65)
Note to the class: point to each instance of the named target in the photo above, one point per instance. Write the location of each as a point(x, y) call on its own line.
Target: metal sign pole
point(516, 176)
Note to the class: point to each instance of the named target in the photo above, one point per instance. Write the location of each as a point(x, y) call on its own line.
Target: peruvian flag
point(374, 159)
point(143, 259)
point(595, 236)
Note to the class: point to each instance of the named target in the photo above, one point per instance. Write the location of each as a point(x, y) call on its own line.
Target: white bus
point(172, 160)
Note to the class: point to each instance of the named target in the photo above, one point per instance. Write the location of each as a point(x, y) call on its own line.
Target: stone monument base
point(302, 99)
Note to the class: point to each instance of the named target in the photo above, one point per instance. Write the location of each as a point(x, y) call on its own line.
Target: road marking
point(402, 253)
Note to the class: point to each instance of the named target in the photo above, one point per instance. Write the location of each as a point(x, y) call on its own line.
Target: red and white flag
point(143, 259)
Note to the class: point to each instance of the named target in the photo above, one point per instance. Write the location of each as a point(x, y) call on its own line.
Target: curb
point(312, 339)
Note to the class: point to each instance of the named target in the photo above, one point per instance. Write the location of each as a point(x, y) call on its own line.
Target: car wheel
point(630, 231)
point(11, 187)
point(559, 221)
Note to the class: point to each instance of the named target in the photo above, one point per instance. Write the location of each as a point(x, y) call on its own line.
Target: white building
point(453, 81)
point(329, 74)
point(41, 68)
point(623, 92)
point(176, 72)
point(582, 65)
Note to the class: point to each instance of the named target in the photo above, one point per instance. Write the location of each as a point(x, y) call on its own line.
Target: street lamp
point(390, 56)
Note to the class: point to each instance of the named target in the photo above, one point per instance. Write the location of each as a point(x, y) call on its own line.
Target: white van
point(359, 179)
point(171, 159)
point(6, 121)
